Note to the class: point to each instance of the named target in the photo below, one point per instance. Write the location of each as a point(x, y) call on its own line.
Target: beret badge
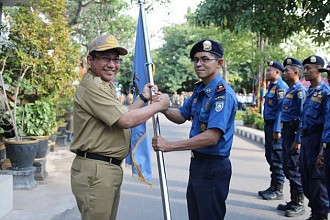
point(313, 59)
point(271, 63)
point(207, 45)
point(289, 61)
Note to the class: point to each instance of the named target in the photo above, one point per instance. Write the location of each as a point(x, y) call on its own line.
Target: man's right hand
point(164, 101)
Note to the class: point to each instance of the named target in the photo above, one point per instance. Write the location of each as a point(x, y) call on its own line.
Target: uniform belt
point(294, 124)
point(95, 156)
point(195, 154)
point(312, 130)
point(269, 122)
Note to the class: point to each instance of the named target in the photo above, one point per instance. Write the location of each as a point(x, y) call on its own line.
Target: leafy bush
point(253, 118)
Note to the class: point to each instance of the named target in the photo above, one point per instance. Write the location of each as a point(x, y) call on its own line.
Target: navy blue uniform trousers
point(208, 188)
point(274, 155)
point(313, 178)
point(291, 159)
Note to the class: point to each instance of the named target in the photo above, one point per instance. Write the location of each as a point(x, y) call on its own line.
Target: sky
point(164, 16)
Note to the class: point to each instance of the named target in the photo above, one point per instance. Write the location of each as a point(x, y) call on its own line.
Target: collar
point(210, 88)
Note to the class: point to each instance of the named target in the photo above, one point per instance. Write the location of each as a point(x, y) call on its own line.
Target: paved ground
point(52, 198)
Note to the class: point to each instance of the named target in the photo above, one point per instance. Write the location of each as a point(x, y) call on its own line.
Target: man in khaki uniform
point(101, 128)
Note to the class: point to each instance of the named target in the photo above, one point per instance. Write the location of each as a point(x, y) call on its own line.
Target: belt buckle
point(110, 160)
point(85, 154)
point(192, 155)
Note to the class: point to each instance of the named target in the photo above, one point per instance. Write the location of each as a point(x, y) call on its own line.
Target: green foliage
point(253, 118)
point(38, 118)
point(239, 115)
point(275, 20)
point(87, 19)
point(38, 46)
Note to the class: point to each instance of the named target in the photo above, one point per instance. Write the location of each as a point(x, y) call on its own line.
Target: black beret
point(314, 60)
point(324, 70)
point(276, 65)
point(207, 45)
point(292, 62)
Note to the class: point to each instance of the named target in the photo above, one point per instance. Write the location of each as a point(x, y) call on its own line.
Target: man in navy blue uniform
point(273, 142)
point(313, 175)
point(212, 110)
point(324, 157)
point(291, 131)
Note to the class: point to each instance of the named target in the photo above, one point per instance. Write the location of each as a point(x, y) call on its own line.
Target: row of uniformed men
point(297, 135)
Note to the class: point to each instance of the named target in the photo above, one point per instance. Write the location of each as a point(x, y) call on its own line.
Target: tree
point(174, 71)
point(87, 19)
point(271, 21)
point(38, 43)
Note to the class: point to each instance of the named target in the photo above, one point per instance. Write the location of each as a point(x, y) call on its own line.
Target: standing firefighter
point(212, 110)
point(314, 111)
point(291, 132)
point(273, 141)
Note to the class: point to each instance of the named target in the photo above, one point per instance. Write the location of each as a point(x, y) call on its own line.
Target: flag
point(140, 151)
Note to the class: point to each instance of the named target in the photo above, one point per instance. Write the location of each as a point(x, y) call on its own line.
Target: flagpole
point(156, 128)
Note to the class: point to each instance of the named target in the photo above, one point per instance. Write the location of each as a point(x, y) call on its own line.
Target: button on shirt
point(273, 102)
point(96, 109)
point(315, 106)
point(212, 106)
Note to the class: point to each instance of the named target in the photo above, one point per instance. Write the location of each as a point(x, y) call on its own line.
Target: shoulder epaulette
point(220, 88)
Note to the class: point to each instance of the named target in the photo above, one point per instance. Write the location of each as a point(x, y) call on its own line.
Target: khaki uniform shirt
point(96, 109)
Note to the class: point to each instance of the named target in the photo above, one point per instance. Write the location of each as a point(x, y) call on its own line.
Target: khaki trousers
point(96, 186)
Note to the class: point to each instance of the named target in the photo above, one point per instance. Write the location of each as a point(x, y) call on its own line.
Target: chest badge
point(203, 127)
point(208, 90)
point(219, 106)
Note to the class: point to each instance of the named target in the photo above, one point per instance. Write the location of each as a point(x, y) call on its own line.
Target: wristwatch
point(143, 98)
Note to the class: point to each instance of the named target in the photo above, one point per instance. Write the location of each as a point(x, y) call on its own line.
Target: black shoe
point(273, 195)
point(296, 210)
point(284, 207)
point(262, 192)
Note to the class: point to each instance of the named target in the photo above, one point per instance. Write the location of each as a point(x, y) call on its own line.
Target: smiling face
point(206, 66)
point(104, 64)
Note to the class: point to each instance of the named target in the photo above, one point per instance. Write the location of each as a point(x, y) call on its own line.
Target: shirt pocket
point(287, 105)
point(271, 99)
point(313, 109)
point(204, 117)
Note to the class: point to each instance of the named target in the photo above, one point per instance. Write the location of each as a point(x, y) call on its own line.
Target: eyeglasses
point(108, 59)
point(203, 59)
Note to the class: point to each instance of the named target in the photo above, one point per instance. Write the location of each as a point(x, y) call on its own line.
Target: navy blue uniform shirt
point(212, 106)
point(273, 102)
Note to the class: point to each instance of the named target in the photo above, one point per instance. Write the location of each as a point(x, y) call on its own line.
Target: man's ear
point(221, 62)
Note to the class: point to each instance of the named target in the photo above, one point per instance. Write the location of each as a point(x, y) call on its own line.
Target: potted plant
point(20, 150)
point(38, 61)
point(39, 121)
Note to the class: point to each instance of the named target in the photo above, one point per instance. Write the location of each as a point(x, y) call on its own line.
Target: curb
point(256, 136)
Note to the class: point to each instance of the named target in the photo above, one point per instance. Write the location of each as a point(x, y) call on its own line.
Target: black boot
point(285, 207)
point(288, 205)
point(276, 193)
point(298, 207)
point(268, 190)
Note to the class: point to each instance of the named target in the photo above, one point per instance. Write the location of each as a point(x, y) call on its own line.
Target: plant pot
point(42, 149)
point(21, 153)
